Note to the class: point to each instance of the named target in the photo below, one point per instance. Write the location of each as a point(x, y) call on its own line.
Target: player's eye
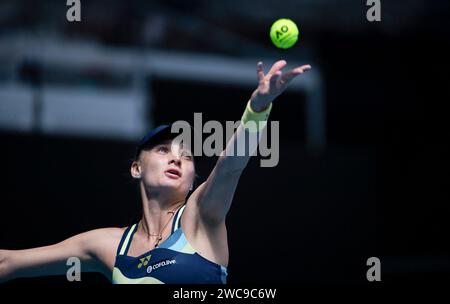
point(187, 155)
point(162, 149)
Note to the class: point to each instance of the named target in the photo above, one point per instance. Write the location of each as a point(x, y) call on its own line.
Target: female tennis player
point(180, 238)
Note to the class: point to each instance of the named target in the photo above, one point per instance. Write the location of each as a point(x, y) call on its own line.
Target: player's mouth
point(173, 173)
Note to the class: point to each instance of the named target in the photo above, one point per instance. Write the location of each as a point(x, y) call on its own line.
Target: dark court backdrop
point(378, 188)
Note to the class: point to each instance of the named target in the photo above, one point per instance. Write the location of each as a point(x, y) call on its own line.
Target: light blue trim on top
point(181, 241)
point(172, 239)
point(223, 277)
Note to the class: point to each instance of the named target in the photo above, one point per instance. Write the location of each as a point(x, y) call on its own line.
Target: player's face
point(168, 165)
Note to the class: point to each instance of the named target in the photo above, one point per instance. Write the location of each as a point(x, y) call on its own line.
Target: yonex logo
point(144, 261)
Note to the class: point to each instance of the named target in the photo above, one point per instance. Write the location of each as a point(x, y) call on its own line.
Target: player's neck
point(158, 201)
point(157, 207)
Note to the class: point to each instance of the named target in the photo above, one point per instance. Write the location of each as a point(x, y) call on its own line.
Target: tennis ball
point(284, 33)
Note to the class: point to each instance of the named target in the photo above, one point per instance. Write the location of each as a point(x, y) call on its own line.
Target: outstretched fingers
point(277, 66)
point(289, 75)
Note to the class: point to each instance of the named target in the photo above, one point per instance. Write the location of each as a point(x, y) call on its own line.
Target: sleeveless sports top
point(174, 261)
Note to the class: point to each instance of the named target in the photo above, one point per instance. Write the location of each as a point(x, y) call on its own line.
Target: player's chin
point(173, 187)
point(172, 182)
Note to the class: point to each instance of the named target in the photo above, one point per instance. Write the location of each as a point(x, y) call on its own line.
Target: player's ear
point(135, 169)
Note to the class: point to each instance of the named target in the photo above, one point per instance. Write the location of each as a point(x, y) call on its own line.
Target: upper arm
point(51, 260)
point(214, 196)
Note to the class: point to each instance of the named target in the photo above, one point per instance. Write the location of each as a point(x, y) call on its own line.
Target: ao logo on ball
point(284, 33)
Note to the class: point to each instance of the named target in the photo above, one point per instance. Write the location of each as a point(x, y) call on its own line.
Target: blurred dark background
point(366, 177)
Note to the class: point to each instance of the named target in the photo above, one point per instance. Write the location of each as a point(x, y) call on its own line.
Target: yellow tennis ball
point(284, 33)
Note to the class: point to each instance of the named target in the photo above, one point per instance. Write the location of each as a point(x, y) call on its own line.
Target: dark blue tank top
point(173, 262)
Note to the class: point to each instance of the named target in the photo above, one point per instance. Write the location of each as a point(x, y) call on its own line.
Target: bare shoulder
point(104, 236)
point(102, 244)
point(209, 241)
point(112, 232)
